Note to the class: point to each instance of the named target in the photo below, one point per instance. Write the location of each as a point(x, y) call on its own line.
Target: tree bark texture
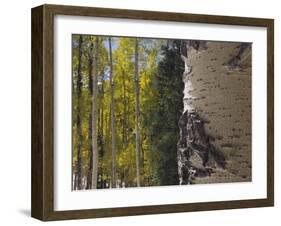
point(137, 132)
point(112, 115)
point(90, 131)
point(95, 117)
point(79, 119)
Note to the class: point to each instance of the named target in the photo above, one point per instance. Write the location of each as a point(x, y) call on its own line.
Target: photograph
point(139, 112)
point(160, 112)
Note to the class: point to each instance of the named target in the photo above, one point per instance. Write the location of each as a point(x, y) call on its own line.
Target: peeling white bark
point(188, 98)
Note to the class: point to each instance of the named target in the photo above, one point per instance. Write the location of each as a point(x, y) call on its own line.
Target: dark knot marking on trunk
point(195, 141)
point(235, 63)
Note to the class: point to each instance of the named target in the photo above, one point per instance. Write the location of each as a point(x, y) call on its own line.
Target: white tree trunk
point(112, 115)
point(136, 80)
point(94, 122)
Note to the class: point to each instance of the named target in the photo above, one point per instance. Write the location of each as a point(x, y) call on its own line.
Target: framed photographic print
point(140, 112)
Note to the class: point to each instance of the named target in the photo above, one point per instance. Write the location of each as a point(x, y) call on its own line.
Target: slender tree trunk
point(106, 139)
point(136, 81)
point(79, 120)
point(124, 124)
point(90, 156)
point(101, 132)
point(113, 127)
point(128, 114)
point(94, 119)
point(102, 109)
point(75, 182)
point(108, 130)
point(90, 131)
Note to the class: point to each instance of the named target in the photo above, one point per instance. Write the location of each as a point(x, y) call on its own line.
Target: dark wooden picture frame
point(42, 203)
